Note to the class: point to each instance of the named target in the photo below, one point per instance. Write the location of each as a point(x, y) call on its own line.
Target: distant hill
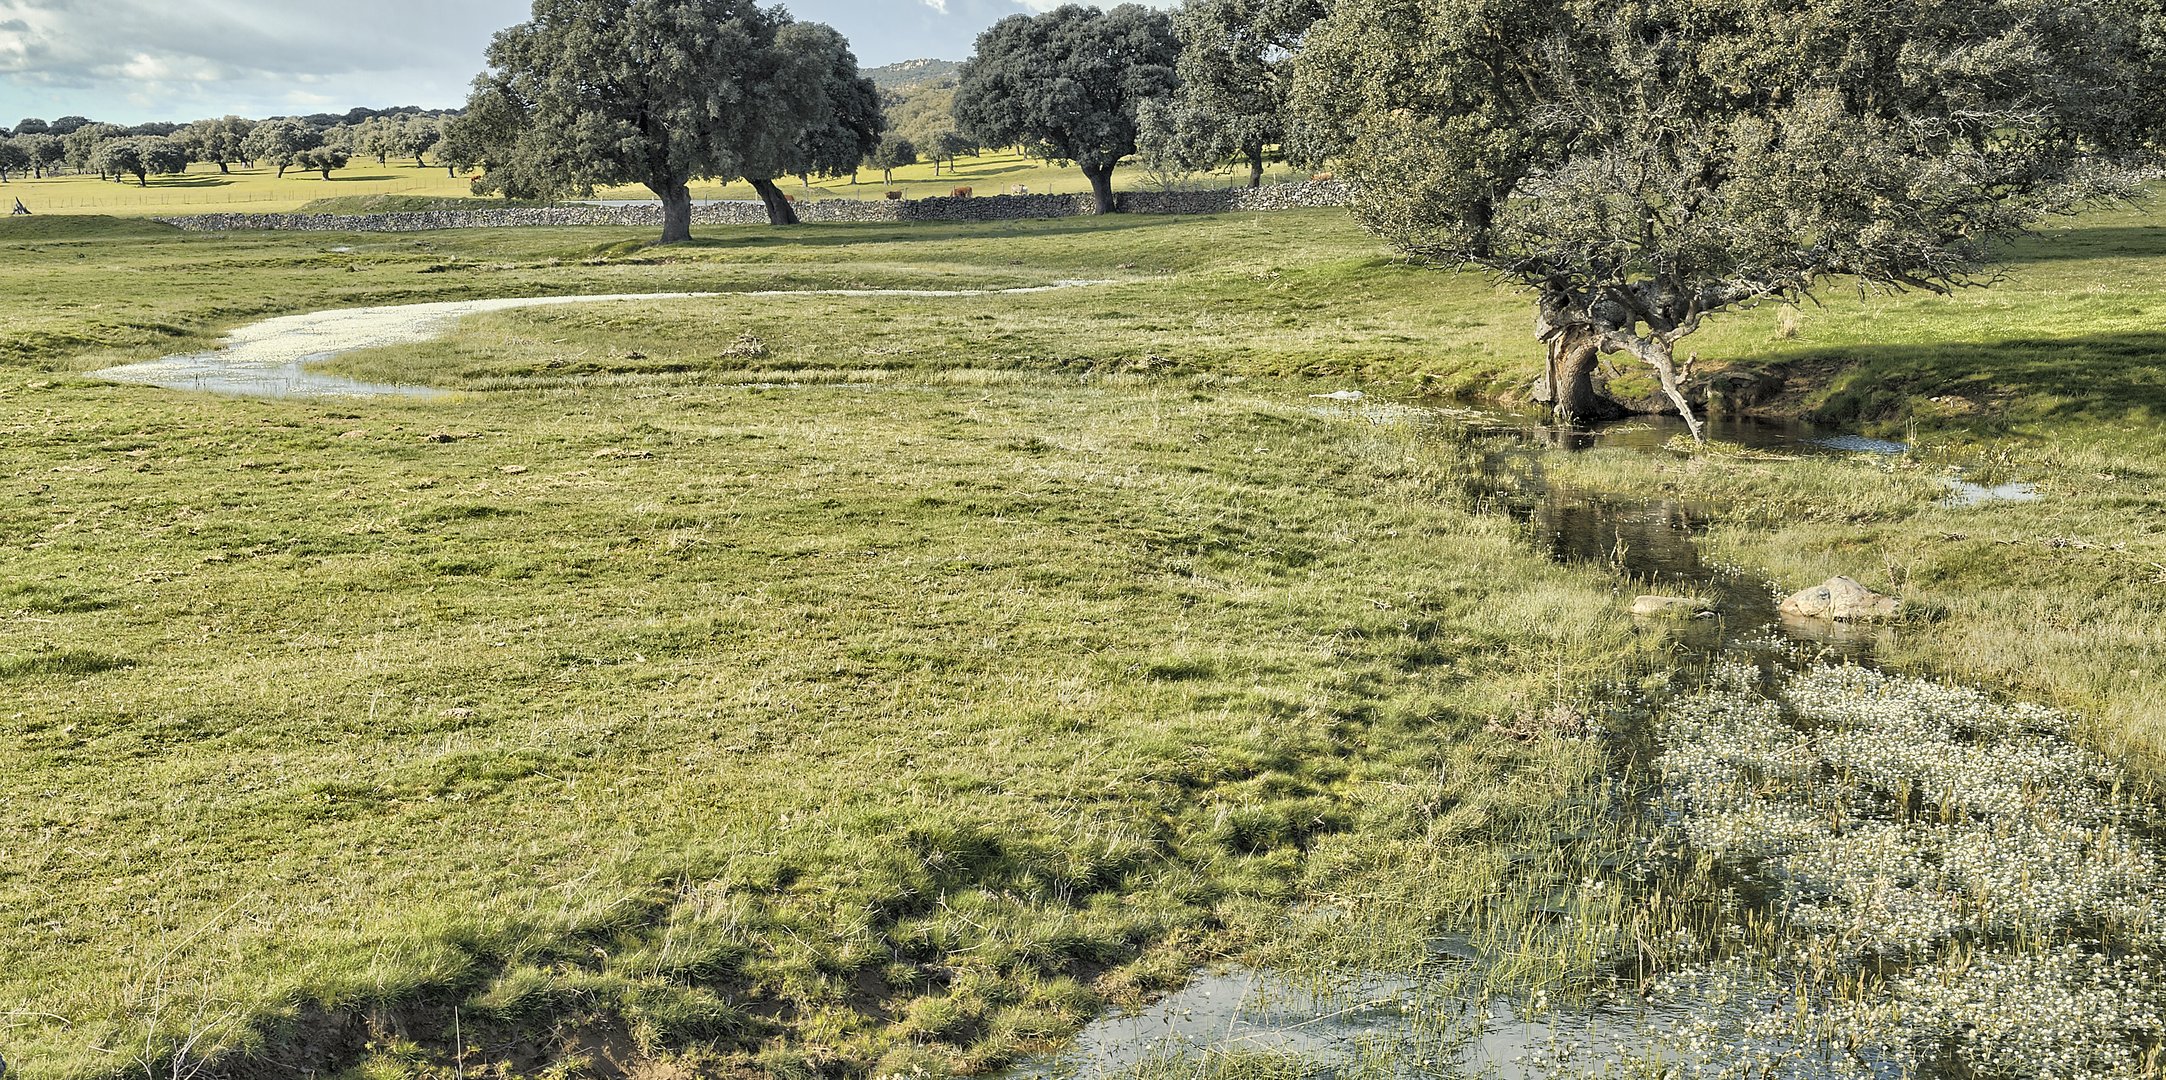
point(912, 73)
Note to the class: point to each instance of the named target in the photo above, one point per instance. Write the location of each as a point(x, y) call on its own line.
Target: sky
point(135, 61)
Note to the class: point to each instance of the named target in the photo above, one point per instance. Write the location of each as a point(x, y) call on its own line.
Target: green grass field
point(832, 686)
point(204, 190)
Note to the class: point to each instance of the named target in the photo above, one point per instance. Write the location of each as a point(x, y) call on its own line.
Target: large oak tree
point(814, 114)
point(1237, 76)
point(45, 152)
point(1641, 166)
point(591, 93)
point(219, 142)
point(140, 156)
point(279, 142)
point(1067, 85)
point(13, 159)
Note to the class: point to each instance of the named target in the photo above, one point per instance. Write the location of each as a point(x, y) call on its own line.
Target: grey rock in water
point(1671, 607)
point(1844, 600)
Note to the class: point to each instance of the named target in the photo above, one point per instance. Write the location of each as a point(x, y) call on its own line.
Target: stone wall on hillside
point(868, 211)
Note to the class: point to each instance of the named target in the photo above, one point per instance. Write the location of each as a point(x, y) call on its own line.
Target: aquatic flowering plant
point(1941, 884)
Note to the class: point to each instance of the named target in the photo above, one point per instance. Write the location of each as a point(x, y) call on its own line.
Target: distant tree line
point(662, 92)
point(318, 144)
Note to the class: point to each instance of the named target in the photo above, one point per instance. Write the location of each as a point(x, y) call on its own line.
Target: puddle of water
point(1859, 444)
point(1653, 433)
point(1404, 1024)
point(1236, 1010)
point(216, 373)
point(1962, 493)
point(1653, 543)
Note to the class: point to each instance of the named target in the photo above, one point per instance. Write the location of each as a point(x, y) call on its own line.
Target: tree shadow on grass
point(853, 234)
point(2091, 242)
point(969, 172)
point(171, 183)
point(2114, 378)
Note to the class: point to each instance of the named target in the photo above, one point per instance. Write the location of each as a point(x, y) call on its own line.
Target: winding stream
point(1430, 1026)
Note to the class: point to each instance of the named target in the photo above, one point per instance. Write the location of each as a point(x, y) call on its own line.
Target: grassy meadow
point(205, 190)
point(839, 686)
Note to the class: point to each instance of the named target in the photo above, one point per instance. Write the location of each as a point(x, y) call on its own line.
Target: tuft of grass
point(68, 663)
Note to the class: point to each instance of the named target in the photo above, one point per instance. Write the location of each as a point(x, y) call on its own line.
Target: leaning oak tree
point(217, 142)
point(46, 151)
point(279, 142)
point(1642, 166)
point(462, 142)
point(813, 114)
point(592, 93)
point(142, 157)
point(80, 144)
point(416, 136)
point(1067, 85)
point(322, 160)
point(14, 158)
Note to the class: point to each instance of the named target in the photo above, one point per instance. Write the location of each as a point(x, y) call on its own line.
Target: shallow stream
point(1869, 933)
point(1431, 1026)
point(1912, 922)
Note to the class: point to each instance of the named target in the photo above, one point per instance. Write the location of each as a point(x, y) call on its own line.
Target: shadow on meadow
point(2090, 242)
point(176, 183)
point(826, 235)
point(1984, 384)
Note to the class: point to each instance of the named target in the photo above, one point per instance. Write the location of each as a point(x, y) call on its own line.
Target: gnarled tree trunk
point(1255, 167)
point(1101, 179)
point(1573, 353)
point(779, 210)
point(1657, 353)
point(676, 211)
point(1564, 324)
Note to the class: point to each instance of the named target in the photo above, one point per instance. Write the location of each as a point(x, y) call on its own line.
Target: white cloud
point(135, 60)
point(82, 42)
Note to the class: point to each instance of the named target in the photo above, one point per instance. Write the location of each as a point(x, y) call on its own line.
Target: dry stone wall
point(869, 211)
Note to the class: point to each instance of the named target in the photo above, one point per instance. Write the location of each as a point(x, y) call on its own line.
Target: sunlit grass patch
point(833, 721)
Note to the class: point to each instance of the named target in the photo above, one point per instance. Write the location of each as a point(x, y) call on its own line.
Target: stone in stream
point(1843, 600)
point(1671, 607)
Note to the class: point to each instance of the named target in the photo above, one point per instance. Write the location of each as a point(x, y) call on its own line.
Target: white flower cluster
point(1950, 748)
point(2064, 1013)
point(1950, 886)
